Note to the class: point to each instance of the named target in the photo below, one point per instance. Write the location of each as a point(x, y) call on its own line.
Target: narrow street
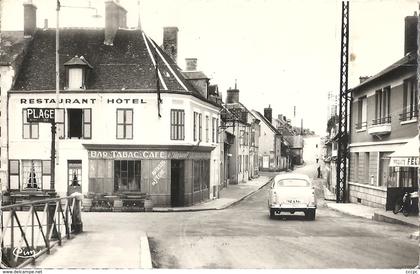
point(244, 236)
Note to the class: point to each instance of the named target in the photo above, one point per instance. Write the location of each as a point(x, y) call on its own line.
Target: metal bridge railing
point(31, 229)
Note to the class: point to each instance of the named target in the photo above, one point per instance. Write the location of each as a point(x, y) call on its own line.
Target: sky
point(282, 53)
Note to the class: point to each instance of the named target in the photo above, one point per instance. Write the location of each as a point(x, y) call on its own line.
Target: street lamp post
point(54, 140)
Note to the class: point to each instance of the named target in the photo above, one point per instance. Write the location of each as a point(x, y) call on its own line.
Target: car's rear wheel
point(272, 215)
point(310, 214)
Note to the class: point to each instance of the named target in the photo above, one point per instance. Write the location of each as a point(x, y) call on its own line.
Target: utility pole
point(418, 110)
point(343, 136)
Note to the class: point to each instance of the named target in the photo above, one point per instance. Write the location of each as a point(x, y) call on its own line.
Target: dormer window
point(76, 73)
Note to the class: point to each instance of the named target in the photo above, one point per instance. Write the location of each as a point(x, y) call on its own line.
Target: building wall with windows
point(384, 118)
point(129, 150)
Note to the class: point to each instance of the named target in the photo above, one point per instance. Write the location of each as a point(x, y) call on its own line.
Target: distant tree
point(332, 122)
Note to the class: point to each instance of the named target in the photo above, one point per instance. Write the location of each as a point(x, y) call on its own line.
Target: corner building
point(113, 135)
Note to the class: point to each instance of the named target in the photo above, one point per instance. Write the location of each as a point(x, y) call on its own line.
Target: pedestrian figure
point(317, 154)
point(319, 171)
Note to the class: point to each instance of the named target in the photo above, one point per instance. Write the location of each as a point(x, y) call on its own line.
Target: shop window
point(410, 100)
point(404, 176)
point(74, 168)
point(124, 124)
point(201, 174)
point(177, 124)
point(32, 174)
point(127, 174)
point(30, 130)
point(14, 183)
point(101, 176)
point(80, 123)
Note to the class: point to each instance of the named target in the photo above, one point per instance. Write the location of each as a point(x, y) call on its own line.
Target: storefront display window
point(127, 175)
point(403, 177)
point(201, 175)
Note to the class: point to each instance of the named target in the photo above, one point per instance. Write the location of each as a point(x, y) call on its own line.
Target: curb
point(145, 256)
point(386, 219)
point(214, 208)
point(247, 195)
point(348, 213)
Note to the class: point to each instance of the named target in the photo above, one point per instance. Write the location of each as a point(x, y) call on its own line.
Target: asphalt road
point(243, 236)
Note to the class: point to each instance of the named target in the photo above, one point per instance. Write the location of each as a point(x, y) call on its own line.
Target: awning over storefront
point(407, 155)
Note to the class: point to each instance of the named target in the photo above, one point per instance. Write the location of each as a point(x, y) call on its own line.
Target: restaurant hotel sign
point(146, 154)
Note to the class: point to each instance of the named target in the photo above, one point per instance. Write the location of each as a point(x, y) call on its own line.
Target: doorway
point(177, 183)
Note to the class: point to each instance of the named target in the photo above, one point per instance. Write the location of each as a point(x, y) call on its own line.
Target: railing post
point(32, 225)
point(77, 225)
point(12, 234)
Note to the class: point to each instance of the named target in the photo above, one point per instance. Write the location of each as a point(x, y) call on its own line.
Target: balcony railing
point(380, 126)
point(409, 115)
point(361, 125)
point(381, 121)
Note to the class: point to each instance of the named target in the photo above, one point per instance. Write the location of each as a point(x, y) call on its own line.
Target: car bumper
point(288, 208)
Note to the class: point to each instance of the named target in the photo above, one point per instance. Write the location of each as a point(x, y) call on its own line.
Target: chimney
point(410, 37)
point(115, 18)
point(268, 113)
point(191, 64)
point(232, 96)
point(363, 78)
point(29, 15)
point(45, 24)
point(170, 42)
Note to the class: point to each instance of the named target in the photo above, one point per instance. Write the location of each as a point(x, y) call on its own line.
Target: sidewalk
point(228, 196)
point(372, 213)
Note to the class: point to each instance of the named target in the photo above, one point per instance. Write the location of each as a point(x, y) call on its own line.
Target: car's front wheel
point(310, 214)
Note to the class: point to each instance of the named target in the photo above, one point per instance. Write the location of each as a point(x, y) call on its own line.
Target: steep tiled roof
point(262, 118)
point(12, 45)
point(127, 65)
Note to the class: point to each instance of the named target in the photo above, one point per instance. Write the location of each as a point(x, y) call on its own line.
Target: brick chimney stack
point(115, 18)
point(232, 96)
point(410, 34)
point(191, 64)
point(268, 113)
point(170, 42)
point(29, 17)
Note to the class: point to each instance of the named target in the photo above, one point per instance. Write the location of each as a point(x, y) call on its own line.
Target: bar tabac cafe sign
point(145, 154)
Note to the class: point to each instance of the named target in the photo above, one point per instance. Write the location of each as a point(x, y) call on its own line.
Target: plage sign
point(40, 115)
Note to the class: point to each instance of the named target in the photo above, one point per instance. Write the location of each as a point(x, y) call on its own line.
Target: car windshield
point(292, 183)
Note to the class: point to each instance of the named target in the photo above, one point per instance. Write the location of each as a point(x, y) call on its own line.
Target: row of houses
point(384, 146)
point(128, 118)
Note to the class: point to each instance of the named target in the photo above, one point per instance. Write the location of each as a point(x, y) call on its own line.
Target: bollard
point(76, 224)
